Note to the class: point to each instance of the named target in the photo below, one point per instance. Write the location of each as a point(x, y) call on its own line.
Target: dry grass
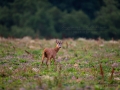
point(82, 64)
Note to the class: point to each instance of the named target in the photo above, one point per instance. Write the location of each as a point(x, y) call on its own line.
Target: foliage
point(18, 32)
point(108, 19)
point(50, 18)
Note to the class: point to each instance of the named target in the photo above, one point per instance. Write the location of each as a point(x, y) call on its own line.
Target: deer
point(50, 53)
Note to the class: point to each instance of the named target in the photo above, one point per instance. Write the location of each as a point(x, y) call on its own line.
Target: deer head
point(59, 44)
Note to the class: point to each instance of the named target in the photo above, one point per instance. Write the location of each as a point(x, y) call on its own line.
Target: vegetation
point(61, 18)
point(82, 64)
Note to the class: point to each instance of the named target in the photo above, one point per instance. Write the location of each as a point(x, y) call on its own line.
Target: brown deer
point(50, 53)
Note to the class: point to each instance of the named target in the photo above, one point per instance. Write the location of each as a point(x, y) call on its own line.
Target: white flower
point(35, 69)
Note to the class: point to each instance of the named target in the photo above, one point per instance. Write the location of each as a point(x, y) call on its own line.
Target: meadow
point(81, 65)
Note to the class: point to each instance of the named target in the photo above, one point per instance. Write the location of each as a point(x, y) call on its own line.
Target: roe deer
point(50, 53)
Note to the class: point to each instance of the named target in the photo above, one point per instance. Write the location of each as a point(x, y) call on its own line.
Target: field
point(81, 65)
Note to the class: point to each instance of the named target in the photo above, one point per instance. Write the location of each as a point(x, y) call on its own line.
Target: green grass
point(78, 66)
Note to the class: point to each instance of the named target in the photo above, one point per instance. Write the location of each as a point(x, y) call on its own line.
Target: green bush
point(21, 32)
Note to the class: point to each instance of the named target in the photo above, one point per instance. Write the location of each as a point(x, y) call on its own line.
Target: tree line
point(60, 18)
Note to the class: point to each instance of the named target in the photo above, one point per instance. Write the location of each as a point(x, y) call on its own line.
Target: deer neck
point(56, 49)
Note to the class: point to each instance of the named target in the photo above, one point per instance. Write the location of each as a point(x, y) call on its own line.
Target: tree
point(21, 32)
point(75, 24)
point(51, 19)
point(108, 20)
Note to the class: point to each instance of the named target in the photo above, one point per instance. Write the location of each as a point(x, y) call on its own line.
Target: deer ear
point(56, 41)
point(61, 42)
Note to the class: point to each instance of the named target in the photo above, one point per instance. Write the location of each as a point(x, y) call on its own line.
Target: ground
point(81, 65)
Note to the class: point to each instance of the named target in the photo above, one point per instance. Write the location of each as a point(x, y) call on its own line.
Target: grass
point(81, 64)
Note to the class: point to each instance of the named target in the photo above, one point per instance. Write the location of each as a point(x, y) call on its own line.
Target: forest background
point(60, 18)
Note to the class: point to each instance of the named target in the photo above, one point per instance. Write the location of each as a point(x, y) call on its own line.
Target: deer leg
point(50, 60)
point(47, 61)
point(54, 60)
point(43, 58)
